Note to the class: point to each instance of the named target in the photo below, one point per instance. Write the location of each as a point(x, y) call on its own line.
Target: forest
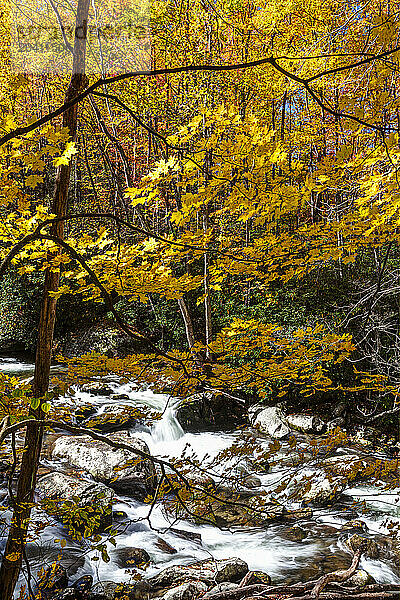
point(199, 300)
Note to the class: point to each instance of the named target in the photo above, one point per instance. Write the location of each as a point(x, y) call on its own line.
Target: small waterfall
point(168, 428)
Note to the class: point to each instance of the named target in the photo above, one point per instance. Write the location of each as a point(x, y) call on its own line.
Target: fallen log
point(337, 576)
point(302, 591)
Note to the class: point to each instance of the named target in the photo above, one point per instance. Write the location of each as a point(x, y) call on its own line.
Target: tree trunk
point(207, 294)
point(13, 554)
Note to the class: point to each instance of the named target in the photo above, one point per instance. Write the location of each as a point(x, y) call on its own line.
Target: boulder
point(165, 547)
point(84, 412)
point(105, 589)
point(227, 515)
point(208, 571)
point(209, 412)
point(128, 558)
point(119, 397)
point(109, 590)
point(356, 525)
point(97, 388)
point(360, 579)
point(58, 486)
point(106, 464)
point(313, 485)
point(186, 591)
point(271, 420)
point(305, 423)
point(83, 585)
point(114, 418)
point(295, 534)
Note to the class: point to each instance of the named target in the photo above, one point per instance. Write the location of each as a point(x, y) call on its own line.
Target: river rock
point(97, 388)
point(191, 536)
point(186, 591)
point(114, 418)
point(305, 423)
point(360, 579)
point(165, 546)
point(105, 589)
point(271, 420)
point(345, 465)
point(313, 485)
point(127, 558)
point(355, 524)
point(225, 586)
point(295, 534)
point(84, 412)
point(109, 590)
point(208, 571)
point(372, 549)
point(67, 594)
point(58, 486)
point(209, 412)
point(104, 463)
point(83, 585)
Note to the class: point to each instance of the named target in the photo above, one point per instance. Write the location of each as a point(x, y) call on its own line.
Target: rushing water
point(268, 549)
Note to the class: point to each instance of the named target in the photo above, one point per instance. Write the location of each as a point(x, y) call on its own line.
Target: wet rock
point(186, 535)
point(257, 577)
point(207, 412)
point(252, 481)
point(371, 550)
point(305, 423)
point(137, 591)
point(83, 586)
point(349, 466)
point(114, 418)
point(246, 478)
point(119, 515)
point(295, 534)
point(58, 486)
point(105, 463)
point(53, 579)
point(313, 485)
point(355, 524)
point(271, 420)
point(186, 591)
point(84, 412)
point(165, 547)
point(67, 594)
point(105, 589)
point(109, 590)
point(119, 397)
point(207, 571)
point(360, 579)
point(294, 514)
point(225, 586)
point(127, 558)
point(97, 388)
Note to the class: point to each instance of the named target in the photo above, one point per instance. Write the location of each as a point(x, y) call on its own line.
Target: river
point(268, 549)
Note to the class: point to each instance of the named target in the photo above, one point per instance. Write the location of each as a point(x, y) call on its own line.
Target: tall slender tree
point(13, 555)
